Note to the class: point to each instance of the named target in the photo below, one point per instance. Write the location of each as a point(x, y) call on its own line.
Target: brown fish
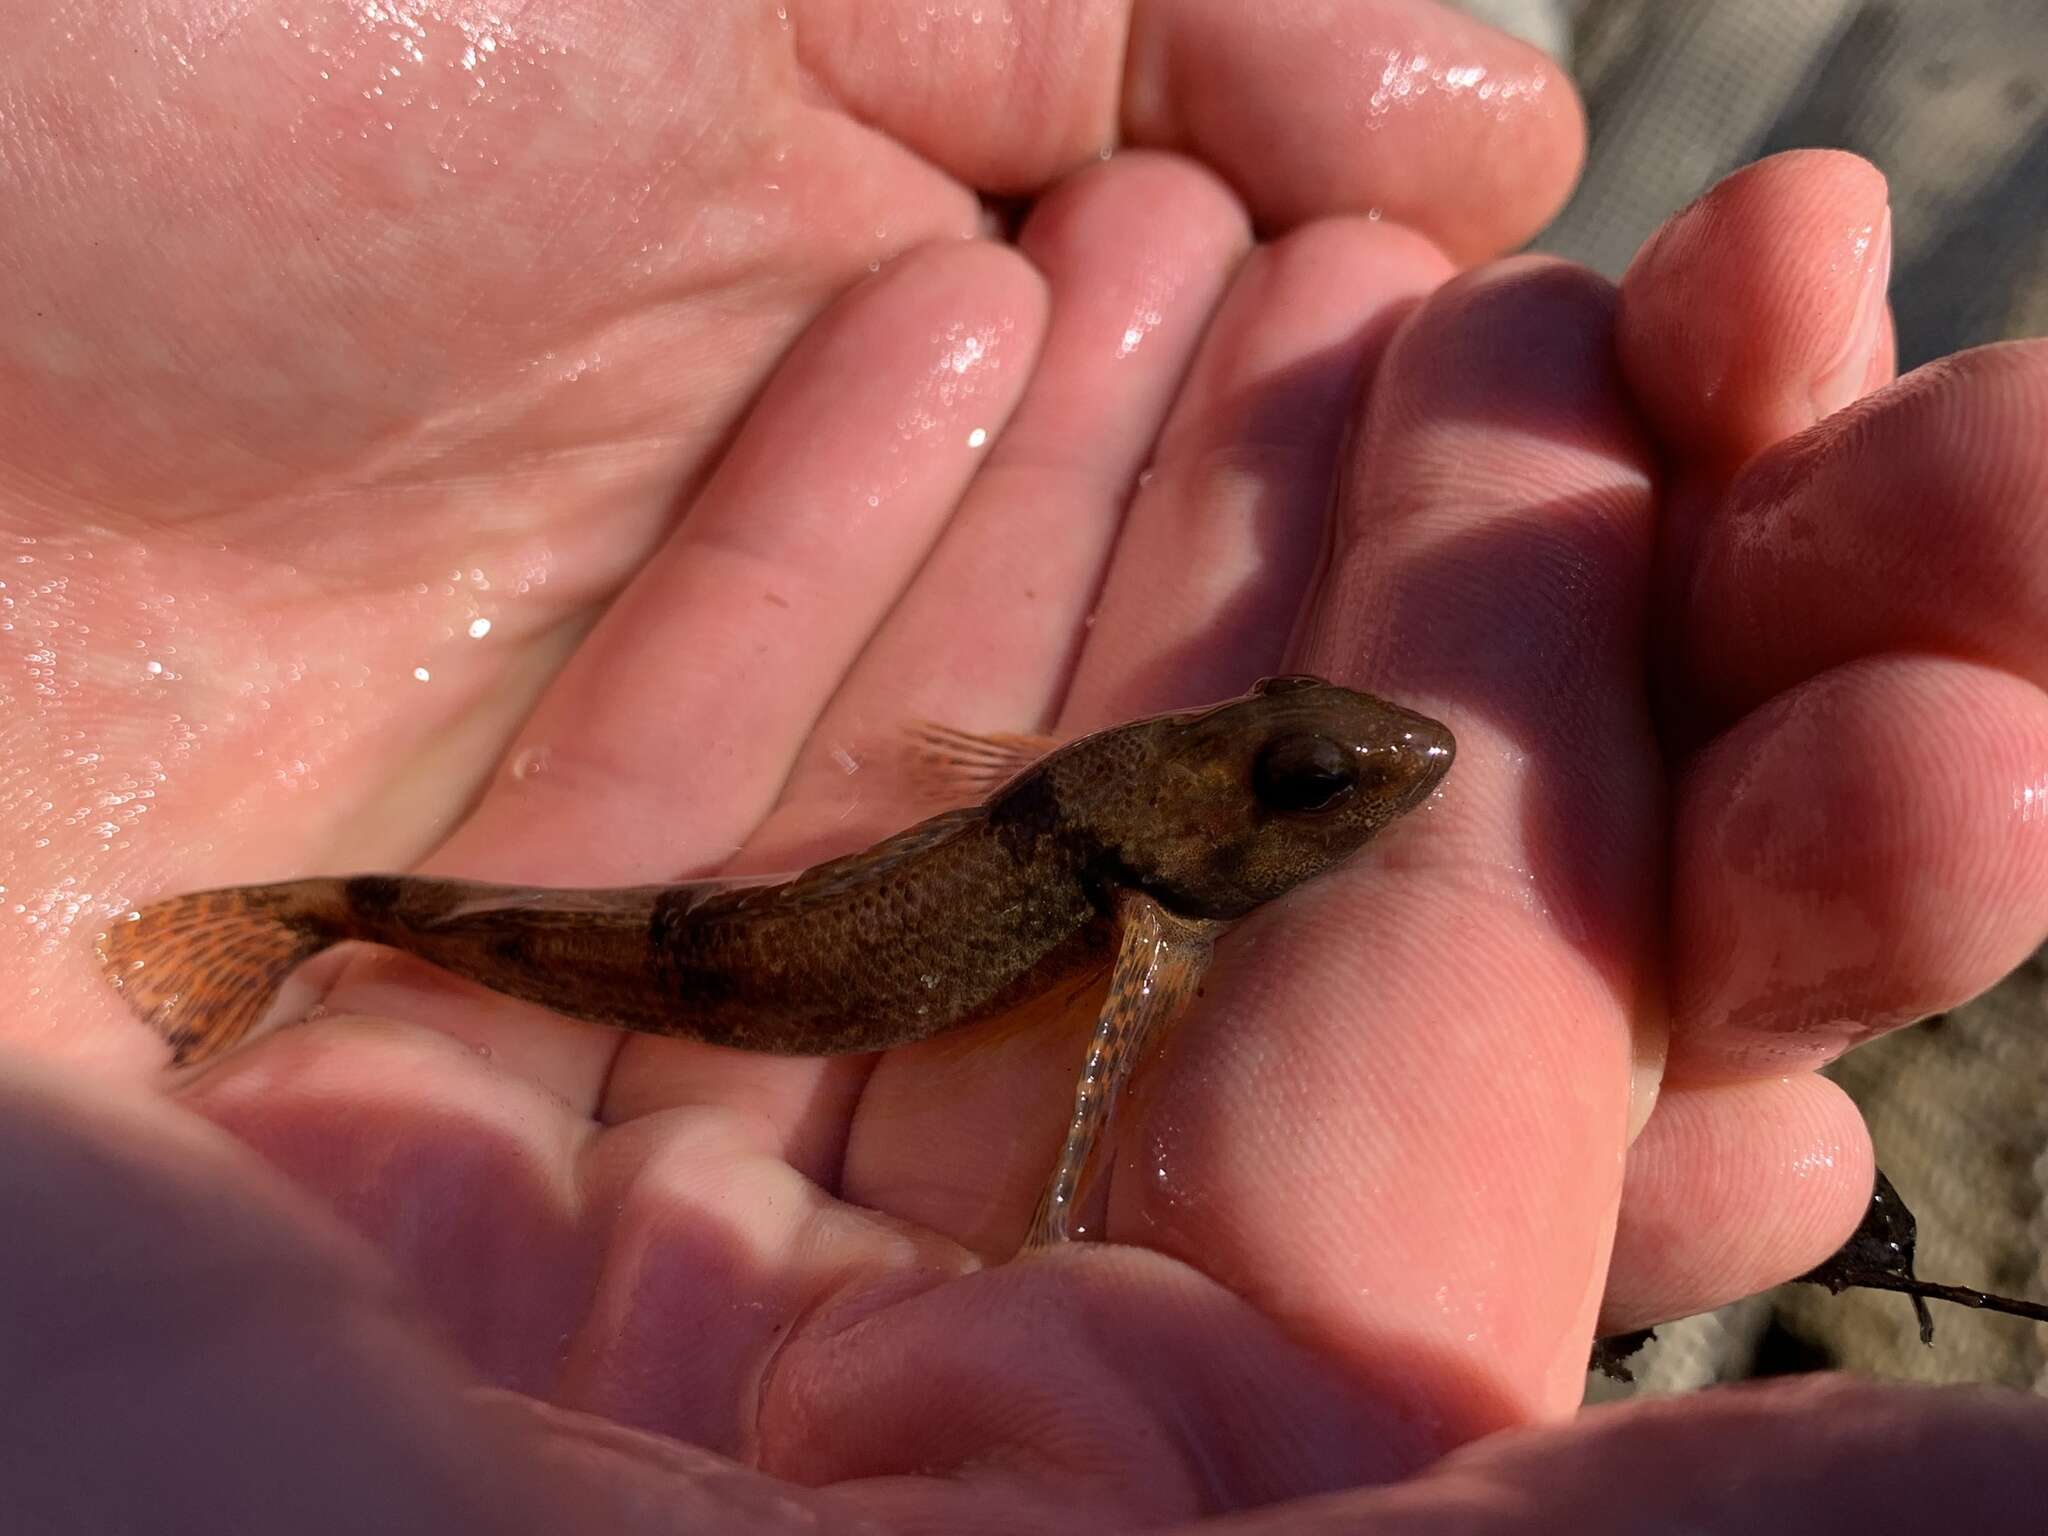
point(1142, 841)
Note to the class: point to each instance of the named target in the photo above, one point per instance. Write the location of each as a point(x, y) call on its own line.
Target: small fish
point(1130, 848)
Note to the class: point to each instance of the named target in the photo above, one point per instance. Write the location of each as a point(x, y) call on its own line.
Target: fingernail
point(1651, 1044)
point(1842, 379)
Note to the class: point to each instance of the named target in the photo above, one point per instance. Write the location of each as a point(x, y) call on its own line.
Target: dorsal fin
point(951, 766)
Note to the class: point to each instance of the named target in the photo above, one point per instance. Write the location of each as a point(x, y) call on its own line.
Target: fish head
point(1217, 812)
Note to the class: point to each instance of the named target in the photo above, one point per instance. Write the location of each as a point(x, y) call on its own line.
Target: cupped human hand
point(203, 1353)
point(595, 571)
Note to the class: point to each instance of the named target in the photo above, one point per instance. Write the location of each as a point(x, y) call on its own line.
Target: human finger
point(1398, 1120)
point(1733, 1188)
point(1890, 546)
point(1759, 309)
point(1911, 521)
point(1868, 848)
point(1202, 590)
point(1829, 1455)
point(1417, 112)
point(1136, 253)
point(1400, 108)
point(668, 734)
point(173, 1310)
point(1213, 563)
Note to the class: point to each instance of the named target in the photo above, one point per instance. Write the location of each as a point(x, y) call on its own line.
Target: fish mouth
point(1428, 748)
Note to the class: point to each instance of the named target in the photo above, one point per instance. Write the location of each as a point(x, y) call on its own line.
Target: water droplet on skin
point(2030, 802)
point(969, 351)
point(422, 674)
point(478, 628)
point(531, 762)
point(977, 437)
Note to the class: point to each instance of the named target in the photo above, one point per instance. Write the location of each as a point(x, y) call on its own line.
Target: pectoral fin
point(1158, 966)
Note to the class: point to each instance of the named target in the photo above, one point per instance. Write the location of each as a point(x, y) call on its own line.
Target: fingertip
point(1309, 319)
point(1004, 99)
point(1526, 342)
point(1863, 851)
point(1733, 1188)
point(989, 275)
point(1143, 189)
point(1411, 112)
point(1341, 266)
point(1760, 308)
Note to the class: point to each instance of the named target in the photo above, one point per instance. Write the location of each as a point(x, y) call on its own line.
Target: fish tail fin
point(203, 969)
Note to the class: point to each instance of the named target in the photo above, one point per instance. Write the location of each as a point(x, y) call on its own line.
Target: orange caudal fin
point(203, 969)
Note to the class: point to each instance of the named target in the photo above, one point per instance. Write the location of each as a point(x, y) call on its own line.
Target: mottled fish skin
point(1208, 813)
point(939, 925)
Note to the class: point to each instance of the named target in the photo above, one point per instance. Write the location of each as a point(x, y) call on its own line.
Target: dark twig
point(1877, 1257)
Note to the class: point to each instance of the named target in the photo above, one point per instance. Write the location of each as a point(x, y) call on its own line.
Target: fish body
point(1149, 836)
point(936, 927)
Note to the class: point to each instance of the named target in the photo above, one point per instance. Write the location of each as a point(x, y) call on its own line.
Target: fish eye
point(1303, 773)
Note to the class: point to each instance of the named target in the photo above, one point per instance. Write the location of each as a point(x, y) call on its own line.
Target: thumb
point(1821, 1455)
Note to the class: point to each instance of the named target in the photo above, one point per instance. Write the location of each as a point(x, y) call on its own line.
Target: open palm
point(503, 461)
